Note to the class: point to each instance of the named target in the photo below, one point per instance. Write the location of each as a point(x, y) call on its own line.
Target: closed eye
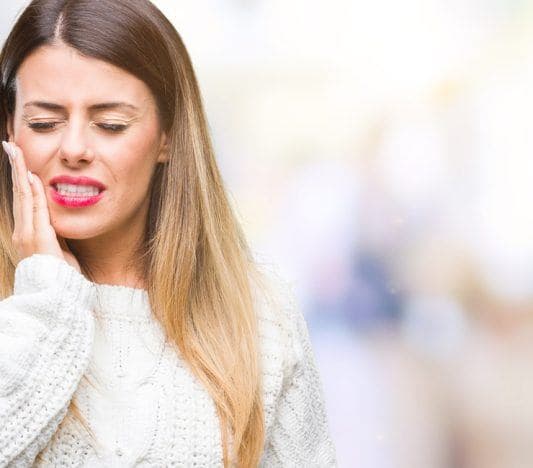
point(113, 127)
point(39, 126)
point(45, 126)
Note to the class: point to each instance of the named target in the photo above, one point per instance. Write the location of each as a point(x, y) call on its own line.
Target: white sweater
point(143, 404)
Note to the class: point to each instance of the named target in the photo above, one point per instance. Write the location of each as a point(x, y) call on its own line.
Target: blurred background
point(379, 154)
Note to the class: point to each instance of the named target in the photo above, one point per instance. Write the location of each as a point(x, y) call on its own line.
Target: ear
point(164, 149)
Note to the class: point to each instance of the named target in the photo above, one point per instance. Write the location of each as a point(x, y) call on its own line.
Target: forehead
point(61, 74)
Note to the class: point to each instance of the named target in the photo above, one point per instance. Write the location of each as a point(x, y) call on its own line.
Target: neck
point(111, 258)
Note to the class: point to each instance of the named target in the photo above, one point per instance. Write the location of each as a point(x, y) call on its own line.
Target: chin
point(74, 232)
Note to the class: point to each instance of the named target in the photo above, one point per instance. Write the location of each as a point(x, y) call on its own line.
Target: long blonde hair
point(199, 270)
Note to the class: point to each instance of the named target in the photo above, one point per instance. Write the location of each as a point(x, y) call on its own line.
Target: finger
point(24, 194)
point(41, 214)
point(16, 204)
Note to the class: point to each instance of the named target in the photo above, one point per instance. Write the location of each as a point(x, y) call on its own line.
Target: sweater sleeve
point(46, 336)
point(300, 433)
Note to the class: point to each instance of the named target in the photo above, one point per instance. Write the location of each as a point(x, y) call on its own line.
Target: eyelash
point(40, 126)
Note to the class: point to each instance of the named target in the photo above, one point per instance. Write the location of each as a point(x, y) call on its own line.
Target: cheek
point(136, 150)
point(131, 163)
point(36, 149)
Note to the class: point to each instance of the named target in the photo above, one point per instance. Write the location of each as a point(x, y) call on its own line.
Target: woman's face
point(81, 116)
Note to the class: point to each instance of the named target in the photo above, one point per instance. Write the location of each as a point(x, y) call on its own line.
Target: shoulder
point(278, 314)
point(280, 325)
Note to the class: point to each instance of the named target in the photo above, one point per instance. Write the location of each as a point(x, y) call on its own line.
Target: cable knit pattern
point(46, 334)
point(63, 336)
point(297, 433)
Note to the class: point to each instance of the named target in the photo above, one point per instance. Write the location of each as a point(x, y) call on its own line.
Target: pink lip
point(78, 201)
point(82, 180)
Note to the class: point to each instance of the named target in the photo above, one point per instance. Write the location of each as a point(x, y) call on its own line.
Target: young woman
point(135, 327)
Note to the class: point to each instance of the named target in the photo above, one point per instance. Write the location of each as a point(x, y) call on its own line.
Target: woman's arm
point(299, 436)
point(46, 335)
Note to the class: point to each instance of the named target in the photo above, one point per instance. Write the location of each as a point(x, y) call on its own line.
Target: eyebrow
point(95, 107)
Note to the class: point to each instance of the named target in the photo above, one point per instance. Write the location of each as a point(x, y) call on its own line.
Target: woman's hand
point(33, 231)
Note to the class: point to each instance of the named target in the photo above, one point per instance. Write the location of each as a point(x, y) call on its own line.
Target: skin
point(104, 234)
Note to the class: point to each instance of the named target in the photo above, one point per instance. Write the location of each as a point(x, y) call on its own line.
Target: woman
point(135, 328)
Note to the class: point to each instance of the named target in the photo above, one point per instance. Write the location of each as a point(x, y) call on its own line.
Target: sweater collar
point(122, 302)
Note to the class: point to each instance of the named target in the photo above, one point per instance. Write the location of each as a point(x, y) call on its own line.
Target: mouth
point(81, 191)
point(74, 197)
point(73, 185)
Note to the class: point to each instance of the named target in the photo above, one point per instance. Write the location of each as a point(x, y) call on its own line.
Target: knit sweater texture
point(63, 336)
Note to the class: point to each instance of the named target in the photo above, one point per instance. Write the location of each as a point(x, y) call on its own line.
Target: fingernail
point(7, 149)
point(30, 177)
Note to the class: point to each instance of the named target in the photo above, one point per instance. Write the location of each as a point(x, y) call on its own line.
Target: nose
point(75, 145)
